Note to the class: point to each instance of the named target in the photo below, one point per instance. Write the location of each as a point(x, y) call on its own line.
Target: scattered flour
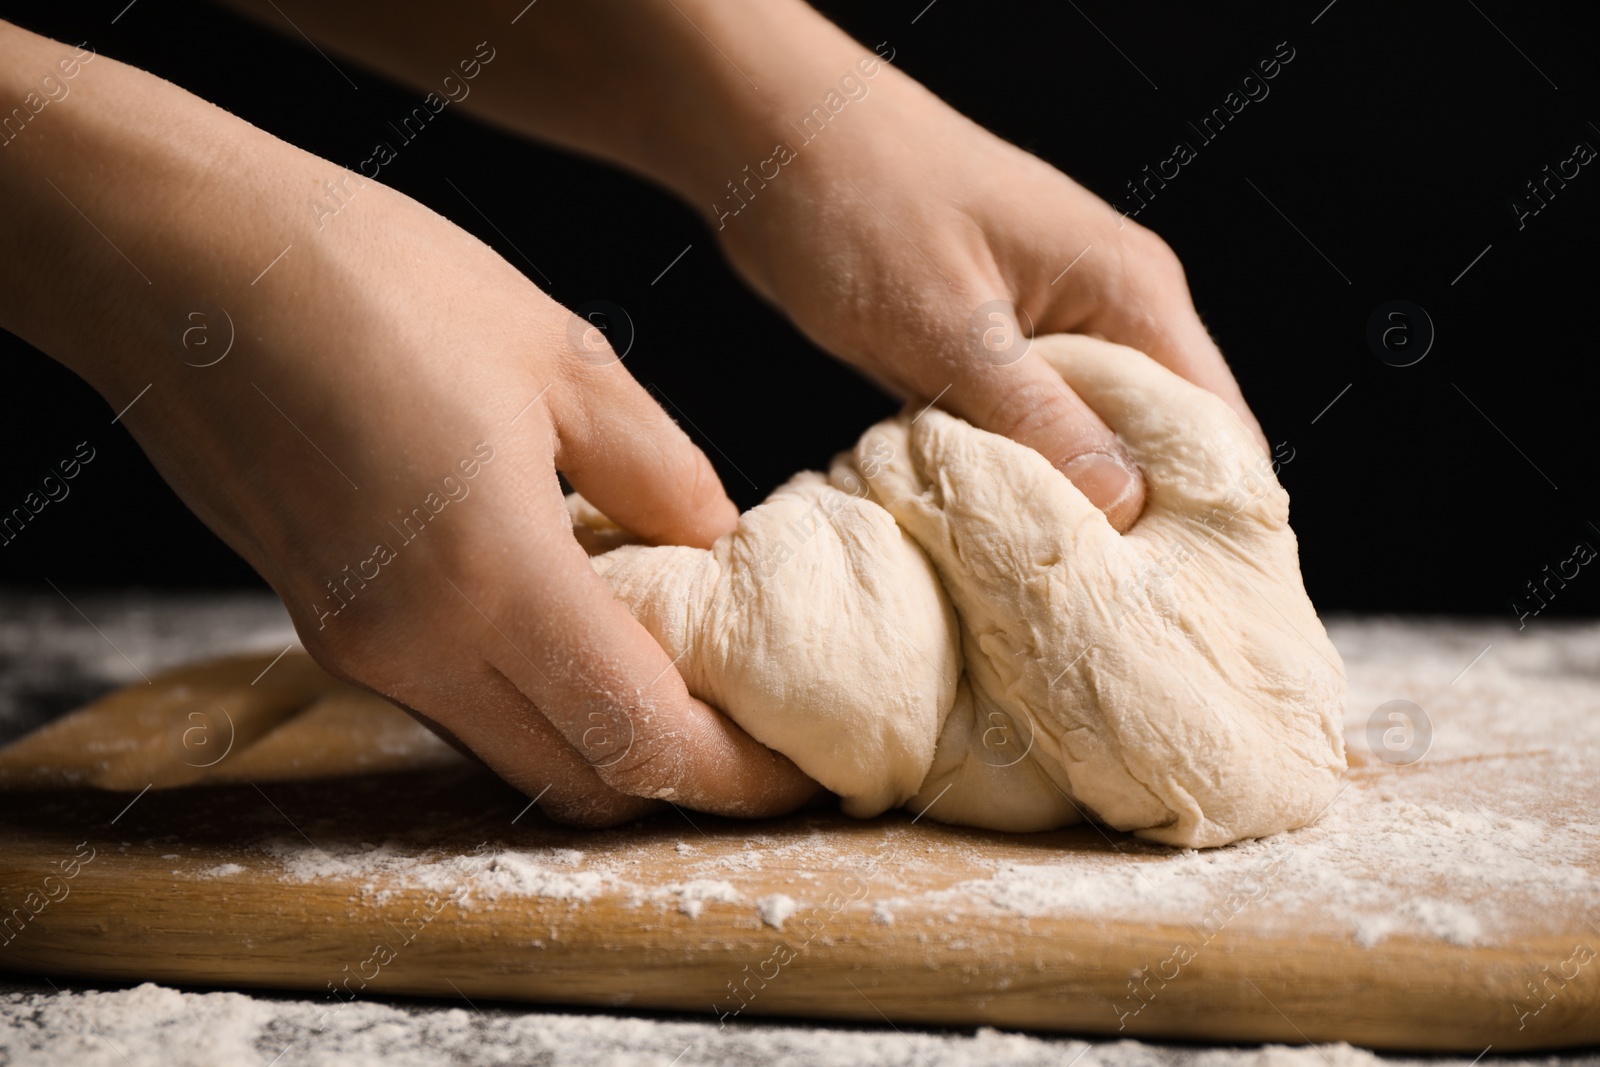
point(693, 896)
point(1396, 856)
point(519, 874)
point(774, 910)
point(380, 871)
point(155, 1026)
point(1444, 850)
point(1375, 866)
point(1442, 919)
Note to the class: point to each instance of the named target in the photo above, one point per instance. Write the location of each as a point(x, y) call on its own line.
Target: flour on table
point(694, 896)
point(379, 872)
point(151, 1024)
point(776, 909)
point(1449, 850)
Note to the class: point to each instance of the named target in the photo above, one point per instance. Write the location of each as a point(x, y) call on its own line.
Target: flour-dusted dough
point(946, 622)
point(819, 626)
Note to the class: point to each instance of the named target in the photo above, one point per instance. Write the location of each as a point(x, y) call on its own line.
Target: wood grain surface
point(335, 846)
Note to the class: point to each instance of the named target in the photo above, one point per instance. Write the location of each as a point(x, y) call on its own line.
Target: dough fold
point(945, 622)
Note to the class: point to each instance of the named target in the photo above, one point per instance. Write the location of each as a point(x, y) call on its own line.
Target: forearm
point(128, 202)
point(676, 90)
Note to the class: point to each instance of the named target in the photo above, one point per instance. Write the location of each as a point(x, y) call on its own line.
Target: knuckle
point(592, 350)
point(392, 645)
point(640, 772)
point(1034, 413)
point(1148, 256)
point(682, 472)
point(684, 485)
point(701, 488)
point(353, 654)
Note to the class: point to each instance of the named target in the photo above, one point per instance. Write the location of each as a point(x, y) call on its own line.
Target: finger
point(495, 723)
point(1179, 341)
point(1150, 308)
point(621, 451)
point(1184, 437)
point(1029, 402)
point(608, 688)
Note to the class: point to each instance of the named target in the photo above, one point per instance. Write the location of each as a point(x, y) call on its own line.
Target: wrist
point(684, 92)
point(778, 76)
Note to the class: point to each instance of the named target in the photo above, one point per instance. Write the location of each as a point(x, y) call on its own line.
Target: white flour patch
point(776, 909)
point(692, 897)
point(154, 1026)
point(1374, 867)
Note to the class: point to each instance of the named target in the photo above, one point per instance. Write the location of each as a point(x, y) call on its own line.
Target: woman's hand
point(899, 235)
point(371, 406)
point(896, 233)
point(926, 251)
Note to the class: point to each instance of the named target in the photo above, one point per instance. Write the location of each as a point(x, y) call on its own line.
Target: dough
point(945, 622)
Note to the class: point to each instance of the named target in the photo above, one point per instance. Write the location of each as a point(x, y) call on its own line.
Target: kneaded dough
point(945, 622)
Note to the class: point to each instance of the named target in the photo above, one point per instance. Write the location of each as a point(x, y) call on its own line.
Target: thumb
point(1149, 308)
point(1024, 399)
point(619, 449)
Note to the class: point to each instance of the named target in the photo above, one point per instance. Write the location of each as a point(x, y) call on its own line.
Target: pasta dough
point(944, 621)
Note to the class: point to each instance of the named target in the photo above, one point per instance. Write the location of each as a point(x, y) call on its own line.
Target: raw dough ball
point(947, 621)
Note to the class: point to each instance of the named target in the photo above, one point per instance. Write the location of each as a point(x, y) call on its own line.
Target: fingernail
point(1103, 477)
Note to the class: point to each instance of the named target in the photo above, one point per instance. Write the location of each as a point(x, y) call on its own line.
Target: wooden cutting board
point(254, 823)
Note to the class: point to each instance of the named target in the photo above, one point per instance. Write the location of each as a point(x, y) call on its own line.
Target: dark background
point(1395, 141)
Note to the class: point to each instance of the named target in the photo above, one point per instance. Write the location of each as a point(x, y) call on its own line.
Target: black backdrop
point(1383, 164)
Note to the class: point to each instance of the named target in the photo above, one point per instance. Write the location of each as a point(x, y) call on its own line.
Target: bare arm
point(895, 232)
point(382, 440)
